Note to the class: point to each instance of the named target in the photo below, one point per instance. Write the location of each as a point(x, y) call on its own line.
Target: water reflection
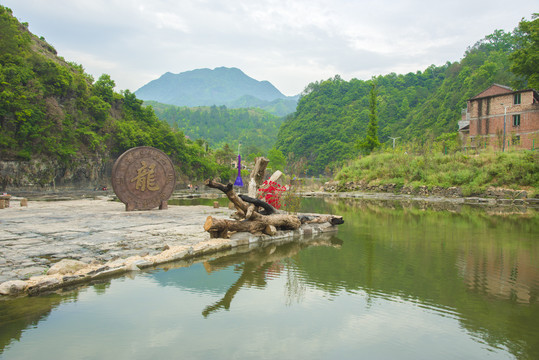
point(481, 263)
point(496, 273)
point(263, 263)
point(400, 280)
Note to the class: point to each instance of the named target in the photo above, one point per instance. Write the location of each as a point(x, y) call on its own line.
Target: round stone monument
point(143, 178)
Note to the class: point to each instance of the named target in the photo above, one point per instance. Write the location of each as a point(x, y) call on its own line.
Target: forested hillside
point(52, 111)
point(332, 115)
point(254, 128)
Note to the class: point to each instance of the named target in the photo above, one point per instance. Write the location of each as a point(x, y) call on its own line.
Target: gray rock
point(44, 283)
point(66, 266)
point(13, 287)
point(29, 271)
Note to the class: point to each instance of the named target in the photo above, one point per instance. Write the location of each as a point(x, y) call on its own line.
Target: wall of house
point(486, 116)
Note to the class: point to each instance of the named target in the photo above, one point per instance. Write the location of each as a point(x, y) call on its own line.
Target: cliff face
point(46, 173)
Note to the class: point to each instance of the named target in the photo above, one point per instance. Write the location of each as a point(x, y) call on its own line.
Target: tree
point(371, 141)
point(103, 88)
point(277, 159)
point(526, 57)
point(225, 155)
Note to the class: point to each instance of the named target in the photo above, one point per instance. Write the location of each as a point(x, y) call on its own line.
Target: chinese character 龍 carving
point(145, 178)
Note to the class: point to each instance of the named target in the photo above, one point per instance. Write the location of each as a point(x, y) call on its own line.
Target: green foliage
point(50, 108)
point(526, 56)
point(104, 88)
point(277, 161)
point(255, 129)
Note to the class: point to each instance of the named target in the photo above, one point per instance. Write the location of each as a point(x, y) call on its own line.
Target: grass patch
point(473, 173)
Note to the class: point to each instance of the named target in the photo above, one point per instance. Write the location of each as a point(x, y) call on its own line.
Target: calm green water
point(397, 282)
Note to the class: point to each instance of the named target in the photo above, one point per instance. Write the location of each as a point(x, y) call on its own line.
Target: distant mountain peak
point(202, 87)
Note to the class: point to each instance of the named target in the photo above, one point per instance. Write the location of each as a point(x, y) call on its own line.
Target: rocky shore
point(53, 244)
point(491, 196)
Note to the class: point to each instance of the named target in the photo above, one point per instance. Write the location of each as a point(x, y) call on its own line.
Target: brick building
point(482, 123)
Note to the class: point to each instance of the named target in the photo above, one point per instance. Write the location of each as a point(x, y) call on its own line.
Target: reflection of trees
point(481, 262)
point(16, 315)
point(256, 265)
point(295, 285)
point(251, 274)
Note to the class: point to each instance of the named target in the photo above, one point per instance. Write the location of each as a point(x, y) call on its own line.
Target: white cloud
point(289, 43)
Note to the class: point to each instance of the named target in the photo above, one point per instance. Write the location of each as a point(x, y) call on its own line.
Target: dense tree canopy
point(371, 141)
point(254, 128)
point(526, 56)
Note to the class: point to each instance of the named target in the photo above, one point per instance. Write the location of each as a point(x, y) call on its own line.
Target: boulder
point(13, 287)
point(66, 266)
point(39, 284)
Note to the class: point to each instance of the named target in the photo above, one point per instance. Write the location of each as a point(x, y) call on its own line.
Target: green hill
point(254, 128)
point(59, 126)
point(332, 115)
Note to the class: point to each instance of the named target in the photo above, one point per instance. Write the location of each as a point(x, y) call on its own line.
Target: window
point(515, 140)
point(516, 99)
point(516, 120)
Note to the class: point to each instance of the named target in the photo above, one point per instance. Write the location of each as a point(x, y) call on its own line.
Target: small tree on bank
point(371, 141)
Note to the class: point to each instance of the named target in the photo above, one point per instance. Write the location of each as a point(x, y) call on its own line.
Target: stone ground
point(33, 238)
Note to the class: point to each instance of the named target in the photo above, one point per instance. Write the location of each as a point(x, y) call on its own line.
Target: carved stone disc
point(143, 178)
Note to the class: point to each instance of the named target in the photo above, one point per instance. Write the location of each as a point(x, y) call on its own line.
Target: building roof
point(497, 90)
point(493, 90)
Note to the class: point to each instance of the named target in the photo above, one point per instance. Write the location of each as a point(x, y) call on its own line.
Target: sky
point(288, 43)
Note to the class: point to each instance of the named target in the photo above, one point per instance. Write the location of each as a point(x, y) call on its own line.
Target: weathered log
point(280, 221)
point(241, 206)
point(219, 228)
point(275, 176)
point(250, 210)
point(319, 219)
point(268, 209)
point(270, 230)
point(257, 175)
point(230, 193)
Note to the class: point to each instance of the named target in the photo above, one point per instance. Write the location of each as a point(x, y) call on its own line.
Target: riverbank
point(101, 239)
point(481, 174)
point(360, 189)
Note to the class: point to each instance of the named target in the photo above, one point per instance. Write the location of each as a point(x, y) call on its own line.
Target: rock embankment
point(50, 245)
point(451, 192)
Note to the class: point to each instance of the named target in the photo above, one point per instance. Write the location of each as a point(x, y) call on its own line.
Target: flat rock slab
point(33, 238)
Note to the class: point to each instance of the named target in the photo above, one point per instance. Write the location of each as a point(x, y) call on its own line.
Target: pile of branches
point(255, 215)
